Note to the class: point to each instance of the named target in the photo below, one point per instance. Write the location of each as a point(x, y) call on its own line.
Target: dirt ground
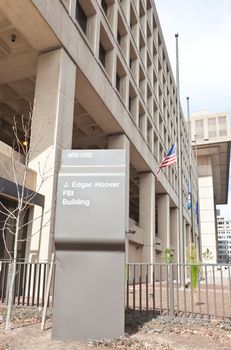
point(141, 333)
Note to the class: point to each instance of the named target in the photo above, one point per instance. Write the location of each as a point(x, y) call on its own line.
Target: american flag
point(169, 159)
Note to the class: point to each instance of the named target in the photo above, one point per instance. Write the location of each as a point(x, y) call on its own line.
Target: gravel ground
point(156, 334)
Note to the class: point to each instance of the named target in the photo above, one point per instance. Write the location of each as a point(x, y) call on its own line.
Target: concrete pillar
point(207, 215)
point(147, 215)
point(122, 142)
point(174, 217)
point(111, 65)
point(188, 235)
point(51, 132)
point(164, 219)
point(164, 226)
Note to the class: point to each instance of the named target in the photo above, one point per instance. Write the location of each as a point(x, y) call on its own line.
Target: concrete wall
point(9, 159)
point(207, 216)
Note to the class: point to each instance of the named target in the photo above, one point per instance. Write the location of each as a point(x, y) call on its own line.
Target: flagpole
point(198, 214)
point(180, 197)
point(190, 169)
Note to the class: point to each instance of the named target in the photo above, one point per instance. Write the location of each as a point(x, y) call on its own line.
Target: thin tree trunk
point(12, 276)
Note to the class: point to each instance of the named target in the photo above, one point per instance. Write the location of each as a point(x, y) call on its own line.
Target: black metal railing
point(180, 290)
point(176, 290)
point(30, 283)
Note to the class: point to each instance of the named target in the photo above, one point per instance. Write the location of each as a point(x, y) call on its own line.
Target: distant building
point(223, 240)
point(211, 144)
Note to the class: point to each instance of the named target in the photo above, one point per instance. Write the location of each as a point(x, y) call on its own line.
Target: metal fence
point(180, 290)
point(30, 283)
point(174, 290)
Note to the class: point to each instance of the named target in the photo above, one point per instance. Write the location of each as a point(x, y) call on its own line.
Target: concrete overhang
point(23, 16)
point(219, 153)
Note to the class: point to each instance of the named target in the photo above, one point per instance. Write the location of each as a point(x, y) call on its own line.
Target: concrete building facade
point(95, 75)
point(211, 143)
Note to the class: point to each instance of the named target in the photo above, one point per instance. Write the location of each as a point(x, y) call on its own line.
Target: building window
point(118, 82)
point(122, 34)
point(102, 54)
point(132, 101)
point(121, 79)
point(156, 152)
point(118, 38)
point(211, 121)
point(134, 203)
point(199, 123)
point(104, 6)
point(81, 17)
point(149, 133)
point(133, 60)
point(199, 126)
point(212, 133)
point(141, 123)
point(130, 104)
point(222, 132)
point(105, 52)
point(222, 120)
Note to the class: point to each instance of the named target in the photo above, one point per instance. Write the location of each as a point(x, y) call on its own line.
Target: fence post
point(171, 291)
point(9, 274)
point(198, 297)
point(47, 292)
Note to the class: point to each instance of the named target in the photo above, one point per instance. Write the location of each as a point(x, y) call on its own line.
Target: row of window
point(146, 88)
point(105, 47)
point(217, 126)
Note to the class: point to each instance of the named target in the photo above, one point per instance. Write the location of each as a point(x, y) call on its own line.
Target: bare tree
point(14, 219)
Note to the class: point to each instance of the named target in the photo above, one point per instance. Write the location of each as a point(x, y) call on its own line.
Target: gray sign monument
point(90, 246)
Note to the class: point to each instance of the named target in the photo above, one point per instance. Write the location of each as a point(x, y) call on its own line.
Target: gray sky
point(204, 28)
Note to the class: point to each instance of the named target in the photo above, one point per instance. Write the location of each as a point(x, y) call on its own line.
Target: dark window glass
point(81, 17)
point(130, 103)
point(102, 54)
point(104, 6)
point(118, 82)
point(130, 63)
point(119, 38)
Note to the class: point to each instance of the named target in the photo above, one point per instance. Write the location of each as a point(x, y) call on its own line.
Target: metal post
point(127, 282)
point(199, 235)
point(146, 288)
point(207, 294)
point(180, 230)
point(48, 285)
point(153, 289)
point(140, 288)
point(214, 293)
point(190, 170)
point(134, 287)
point(171, 291)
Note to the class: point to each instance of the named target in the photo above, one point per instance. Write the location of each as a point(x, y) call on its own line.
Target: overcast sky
point(204, 28)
